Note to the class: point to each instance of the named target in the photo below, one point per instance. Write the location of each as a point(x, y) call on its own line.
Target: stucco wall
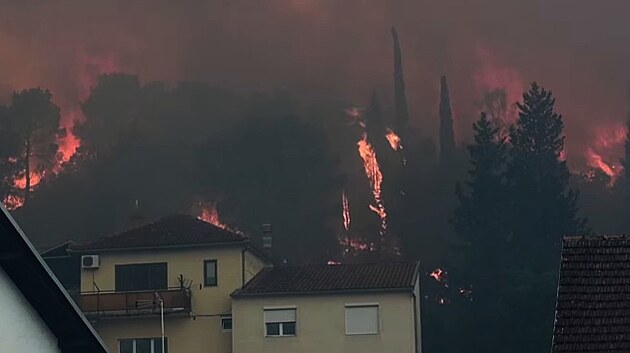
point(22, 328)
point(321, 325)
point(200, 332)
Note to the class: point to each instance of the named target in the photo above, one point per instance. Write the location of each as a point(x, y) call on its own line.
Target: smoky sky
point(580, 49)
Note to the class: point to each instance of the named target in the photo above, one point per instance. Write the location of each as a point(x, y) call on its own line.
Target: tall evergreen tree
point(447, 137)
point(482, 201)
point(402, 110)
point(34, 124)
point(544, 208)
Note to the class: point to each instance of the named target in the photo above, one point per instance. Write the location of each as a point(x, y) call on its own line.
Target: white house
point(37, 313)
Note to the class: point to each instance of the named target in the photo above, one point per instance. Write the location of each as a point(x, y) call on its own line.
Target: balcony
point(134, 303)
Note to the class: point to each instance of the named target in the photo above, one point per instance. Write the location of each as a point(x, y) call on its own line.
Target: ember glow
point(356, 245)
point(345, 211)
point(394, 140)
point(438, 274)
point(373, 172)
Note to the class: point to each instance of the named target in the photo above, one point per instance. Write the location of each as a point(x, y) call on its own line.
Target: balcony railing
point(134, 303)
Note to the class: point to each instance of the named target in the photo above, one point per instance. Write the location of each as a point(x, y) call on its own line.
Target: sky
point(580, 49)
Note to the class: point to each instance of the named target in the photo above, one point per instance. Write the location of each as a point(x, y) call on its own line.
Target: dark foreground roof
point(593, 308)
point(384, 276)
point(23, 265)
point(171, 231)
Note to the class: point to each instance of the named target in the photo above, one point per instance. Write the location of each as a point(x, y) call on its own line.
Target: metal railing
point(134, 303)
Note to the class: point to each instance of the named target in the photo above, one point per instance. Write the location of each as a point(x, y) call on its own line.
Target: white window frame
point(281, 327)
point(224, 318)
point(154, 341)
point(363, 305)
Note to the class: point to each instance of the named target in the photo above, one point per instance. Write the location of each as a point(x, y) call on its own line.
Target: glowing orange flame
point(373, 172)
point(596, 161)
point(21, 183)
point(11, 202)
point(210, 214)
point(438, 274)
point(346, 210)
point(608, 139)
point(393, 139)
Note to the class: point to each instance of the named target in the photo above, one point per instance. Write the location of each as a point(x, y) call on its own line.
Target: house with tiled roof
point(38, 315)
point(165, 286)
point(372, 307)
point(593, 304)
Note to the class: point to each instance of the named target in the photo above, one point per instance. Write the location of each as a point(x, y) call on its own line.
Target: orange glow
point(210, 214)
point(356, 245)
point(21, 183)
point(394, 140)
point(11, 202)
point(438, 274)
point(609, 138)
point(346, 210)
point(492, 75)
point(373, 172)
point(89, 68)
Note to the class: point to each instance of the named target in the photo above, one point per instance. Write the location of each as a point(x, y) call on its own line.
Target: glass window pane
point(141, 276)
point(273, 329)
point(126, 346)
point(361, 320)
point(226, 324)
point(210, 272)
point(288, 328)
point(143, 346)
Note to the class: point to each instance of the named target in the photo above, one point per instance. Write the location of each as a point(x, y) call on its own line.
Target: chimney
point(266, 231)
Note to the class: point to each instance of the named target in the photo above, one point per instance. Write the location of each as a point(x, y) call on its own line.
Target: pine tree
point(544, 208)
point(478, 217)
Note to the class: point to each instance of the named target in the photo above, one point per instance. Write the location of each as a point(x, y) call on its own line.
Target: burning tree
point(33, 122)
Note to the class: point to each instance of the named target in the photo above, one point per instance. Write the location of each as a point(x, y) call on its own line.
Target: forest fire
point(373, 172)
point(438, 274)
point(209, 214)
point(346, 210)
point(394, 140)
point(608, 139)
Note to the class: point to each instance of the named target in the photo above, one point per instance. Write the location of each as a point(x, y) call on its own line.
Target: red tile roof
point(329, 278)
point(175, 230)
point(593, 307)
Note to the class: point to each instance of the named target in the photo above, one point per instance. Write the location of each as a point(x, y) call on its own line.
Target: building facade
point(38, 315)
point(178, 268)
point(359, 308)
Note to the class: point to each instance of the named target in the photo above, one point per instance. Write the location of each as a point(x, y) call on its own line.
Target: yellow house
point(178, 268)
point(359, 308)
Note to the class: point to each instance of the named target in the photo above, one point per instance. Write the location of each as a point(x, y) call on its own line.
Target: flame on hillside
point(208, 213)
point(374, 175)
point(345, 210)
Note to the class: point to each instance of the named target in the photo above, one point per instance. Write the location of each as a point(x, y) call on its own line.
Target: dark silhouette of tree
point(480, 215)
point(544, 208)
point(280, 171)
point(401, 108)
point(7, 150)
point(33, 121)
point(447, 137)
point(110, 110)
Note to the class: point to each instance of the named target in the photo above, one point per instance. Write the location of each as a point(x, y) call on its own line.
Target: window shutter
point(361, 320)
point(280, 315)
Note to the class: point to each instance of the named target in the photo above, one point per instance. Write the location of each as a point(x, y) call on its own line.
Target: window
point(362, 319)
point(210, 273)
point(226, 323)
point(143, 345)
point(141, 277)
point(280, 322)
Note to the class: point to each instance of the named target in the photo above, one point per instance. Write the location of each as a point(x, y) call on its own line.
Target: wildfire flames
point(373, 172)
point(608, 139)
point(346, 210)
point(394, 140)
point(438, 274)
point(209, 214)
